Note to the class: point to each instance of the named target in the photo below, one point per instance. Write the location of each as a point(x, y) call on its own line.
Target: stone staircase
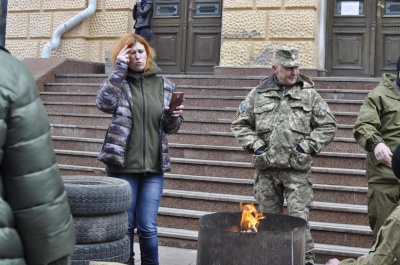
point(210, 172)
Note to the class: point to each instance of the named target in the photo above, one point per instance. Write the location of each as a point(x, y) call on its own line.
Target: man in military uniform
point(283, 122)
point(386, 249)
point(377, 130)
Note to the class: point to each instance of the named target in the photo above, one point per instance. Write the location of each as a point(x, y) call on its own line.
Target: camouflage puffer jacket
point(114, 97)
point(280, 122)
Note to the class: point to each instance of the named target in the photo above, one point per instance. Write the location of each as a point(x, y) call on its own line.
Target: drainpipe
point(55, 42)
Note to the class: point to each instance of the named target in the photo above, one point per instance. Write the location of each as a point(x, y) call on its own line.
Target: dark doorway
point(187, 35)
point(3, 19)
point(363, 37)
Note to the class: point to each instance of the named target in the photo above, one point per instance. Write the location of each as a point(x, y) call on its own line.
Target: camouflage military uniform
point(378, 122)
point(281, 118)
point(386, 249)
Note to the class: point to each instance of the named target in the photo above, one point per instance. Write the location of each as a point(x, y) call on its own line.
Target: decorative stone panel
point(22, 49)
point(17, 25)
point(236, 53)
point(93, 51)
point(300, 3)
point(64, 4)
point(41, 45)
point(238, 4)
point(106, 47)
point(292, 24)
point(307, 53)
point(73, 49)
point(244, 24)
point(39, 25)
point(264, 52)
point(21, 5)
point(80, 30)
point(268, 3)
point(111, 24)
point(119, 4)
point(99, 4)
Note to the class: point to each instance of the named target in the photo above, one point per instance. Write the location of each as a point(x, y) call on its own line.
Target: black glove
point(299, 149)
point(260, 150)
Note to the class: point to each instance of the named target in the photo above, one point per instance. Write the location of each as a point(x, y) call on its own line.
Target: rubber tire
point(97, 196)
point(98, 229)
point(115, 251)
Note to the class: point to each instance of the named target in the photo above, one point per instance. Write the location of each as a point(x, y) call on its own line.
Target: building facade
point(334, 37)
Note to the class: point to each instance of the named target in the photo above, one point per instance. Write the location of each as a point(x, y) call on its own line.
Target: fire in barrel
point(250, 219)
point(251, 237)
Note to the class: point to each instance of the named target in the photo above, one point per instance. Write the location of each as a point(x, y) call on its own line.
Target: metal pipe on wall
point(56, 40)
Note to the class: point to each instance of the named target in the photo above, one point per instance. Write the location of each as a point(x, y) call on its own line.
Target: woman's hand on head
point(124, 54)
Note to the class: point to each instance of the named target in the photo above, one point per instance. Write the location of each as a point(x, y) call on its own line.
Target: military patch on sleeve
point(239, 111)
point(326, 108)
point(241, 107)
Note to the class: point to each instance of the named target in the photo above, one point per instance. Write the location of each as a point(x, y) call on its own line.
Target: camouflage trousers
point(272, 186)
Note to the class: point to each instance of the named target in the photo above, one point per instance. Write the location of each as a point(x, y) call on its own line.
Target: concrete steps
point(210, 172)
point(194, 125)
point(337, 83)
point(82, 149)
point(337, 103)
point(221, 138)
point(78, 146)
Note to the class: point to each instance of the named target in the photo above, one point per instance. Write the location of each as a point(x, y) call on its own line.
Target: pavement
point(171, 256)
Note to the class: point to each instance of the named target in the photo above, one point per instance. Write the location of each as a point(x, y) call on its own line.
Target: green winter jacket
point(379, 122)
point(386, 250)
point(36, 225)
point(280, 122)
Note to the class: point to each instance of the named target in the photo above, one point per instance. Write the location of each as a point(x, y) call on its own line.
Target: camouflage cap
point(288, 56)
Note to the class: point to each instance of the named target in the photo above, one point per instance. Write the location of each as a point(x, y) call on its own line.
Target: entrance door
point(363, 37)
point(187, 35)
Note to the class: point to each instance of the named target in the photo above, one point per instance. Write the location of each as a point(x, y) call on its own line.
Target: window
point(349, 8)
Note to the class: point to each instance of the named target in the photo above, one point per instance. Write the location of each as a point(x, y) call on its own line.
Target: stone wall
point(31, 23)
point(251, 29)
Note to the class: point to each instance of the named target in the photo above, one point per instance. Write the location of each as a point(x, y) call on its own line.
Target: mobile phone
point(176, 100)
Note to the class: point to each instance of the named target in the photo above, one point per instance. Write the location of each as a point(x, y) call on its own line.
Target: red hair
point(130, 40)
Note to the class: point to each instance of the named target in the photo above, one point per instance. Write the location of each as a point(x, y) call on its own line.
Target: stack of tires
point(98, 206)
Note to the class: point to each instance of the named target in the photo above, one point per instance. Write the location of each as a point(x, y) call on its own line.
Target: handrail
point(55, 42)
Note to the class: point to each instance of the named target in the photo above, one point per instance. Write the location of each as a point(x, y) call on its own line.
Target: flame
point(250, 218)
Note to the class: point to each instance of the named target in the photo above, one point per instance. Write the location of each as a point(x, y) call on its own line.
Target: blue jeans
point(142, 214)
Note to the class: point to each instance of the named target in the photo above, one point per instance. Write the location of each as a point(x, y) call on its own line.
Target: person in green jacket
point(386, 250)
point(36, 225)
point(377, 130)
